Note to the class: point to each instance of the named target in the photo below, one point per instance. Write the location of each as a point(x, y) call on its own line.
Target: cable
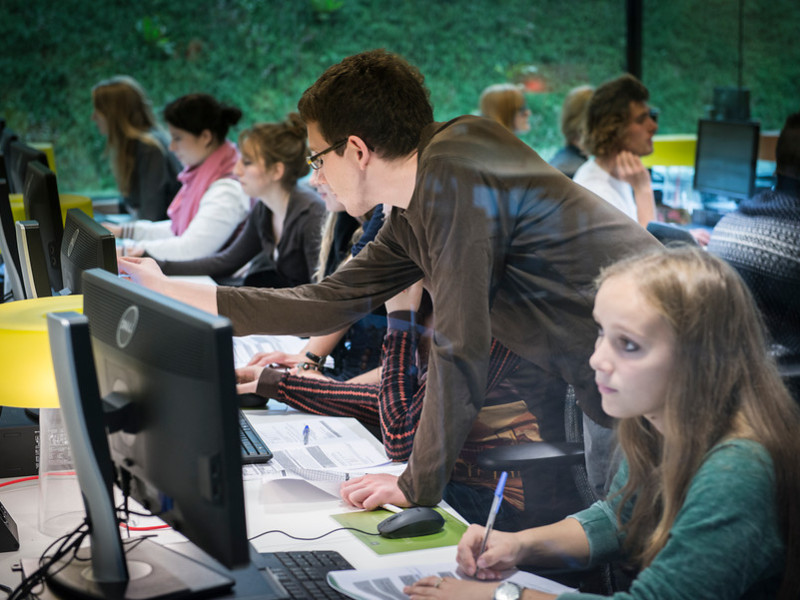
point(303, 539)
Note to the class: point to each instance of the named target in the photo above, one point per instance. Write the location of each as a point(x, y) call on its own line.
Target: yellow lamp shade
point(67, 201)
point(27, 378)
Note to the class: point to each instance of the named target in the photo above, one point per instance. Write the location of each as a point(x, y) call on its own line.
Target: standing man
point(619, 130)
point(507, 247)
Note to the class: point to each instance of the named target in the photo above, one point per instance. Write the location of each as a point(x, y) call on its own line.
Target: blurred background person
point(573, 114)
point(505, 103)
point(143, 167)
point(210, 205)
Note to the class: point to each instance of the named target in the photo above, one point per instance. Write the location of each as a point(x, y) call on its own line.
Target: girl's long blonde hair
point(724, 385)
point(129, 117)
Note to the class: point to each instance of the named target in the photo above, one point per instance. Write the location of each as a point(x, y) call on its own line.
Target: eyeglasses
point(315, 160)
point(653, 113)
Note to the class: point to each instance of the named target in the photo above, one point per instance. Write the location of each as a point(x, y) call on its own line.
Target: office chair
point(536, 456)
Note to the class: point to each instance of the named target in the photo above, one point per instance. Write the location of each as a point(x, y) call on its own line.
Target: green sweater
point(725, 542)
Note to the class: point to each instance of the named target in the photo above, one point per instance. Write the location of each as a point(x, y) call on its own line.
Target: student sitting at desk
point(144, 168)
point(705, 503)
point(210, 204)
point(523, 405)
point(282, 233)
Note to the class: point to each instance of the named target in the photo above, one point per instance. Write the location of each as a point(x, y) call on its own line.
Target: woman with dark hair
point(280, 241)
point(210, 204)
point(144, 169)
point(704, 504)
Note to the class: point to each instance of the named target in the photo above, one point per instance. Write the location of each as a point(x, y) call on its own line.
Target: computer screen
point(6, 137)
point(86, 245)
point(165, 373)
point(18, 156)
point(725, 161)
point(32, 260)
point(8, 244)
point(42, 204)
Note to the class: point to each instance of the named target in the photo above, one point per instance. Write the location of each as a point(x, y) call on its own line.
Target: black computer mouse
point(252, 400)
point(419, 520)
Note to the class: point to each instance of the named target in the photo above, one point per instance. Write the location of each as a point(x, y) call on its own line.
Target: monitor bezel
point(707, 187)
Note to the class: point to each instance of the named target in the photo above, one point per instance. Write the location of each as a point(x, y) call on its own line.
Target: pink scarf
point(196, 180)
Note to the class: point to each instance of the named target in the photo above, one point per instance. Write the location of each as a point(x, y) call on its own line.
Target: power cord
point(311, 539)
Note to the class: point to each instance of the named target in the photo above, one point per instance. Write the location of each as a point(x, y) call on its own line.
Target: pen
point(306, 431)
point(392, 508)
point(498, 498)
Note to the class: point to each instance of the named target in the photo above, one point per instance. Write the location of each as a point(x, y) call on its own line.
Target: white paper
point(335, 450)
point(245, 347)
point(387, 584)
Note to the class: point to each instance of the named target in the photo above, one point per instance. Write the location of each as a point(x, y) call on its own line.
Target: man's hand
point(143, 271)
point(276, 357)
point(247, 379)
point(629, 168)
point(371, 491)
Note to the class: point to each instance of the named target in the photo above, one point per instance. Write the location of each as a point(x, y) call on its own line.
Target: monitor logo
point(127, 326)
point(72, 241)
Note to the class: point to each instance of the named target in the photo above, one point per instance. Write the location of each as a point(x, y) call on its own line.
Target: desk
point(289, 505)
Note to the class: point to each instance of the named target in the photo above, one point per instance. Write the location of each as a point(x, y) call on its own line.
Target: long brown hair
point(737, 393)
point(129, 117)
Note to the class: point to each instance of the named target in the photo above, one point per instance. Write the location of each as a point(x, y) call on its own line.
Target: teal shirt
point(725, 542)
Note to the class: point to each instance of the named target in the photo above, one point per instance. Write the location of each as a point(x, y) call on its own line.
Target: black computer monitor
point(42, 204)
point(33, 261)
point(164, 371)
point(726, 157)
point(6, 137)
point(8, 244)
point(18, 156)
point(86, 245)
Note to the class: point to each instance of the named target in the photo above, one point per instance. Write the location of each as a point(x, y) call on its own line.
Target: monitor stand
point(160, 573)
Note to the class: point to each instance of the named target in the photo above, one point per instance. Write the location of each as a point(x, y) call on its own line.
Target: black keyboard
point(303, 574)
point(254, 450)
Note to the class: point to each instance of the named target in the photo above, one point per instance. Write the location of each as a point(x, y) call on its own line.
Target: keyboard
point(303, 574)
point(254, 450)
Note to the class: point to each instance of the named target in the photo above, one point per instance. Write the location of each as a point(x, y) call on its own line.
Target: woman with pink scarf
point(210, 204)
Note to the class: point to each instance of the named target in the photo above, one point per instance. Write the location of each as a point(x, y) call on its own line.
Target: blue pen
point(306, 431)
point(498, 498)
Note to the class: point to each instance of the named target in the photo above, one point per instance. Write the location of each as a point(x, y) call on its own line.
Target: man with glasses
point(507, 246)
point(618, 131)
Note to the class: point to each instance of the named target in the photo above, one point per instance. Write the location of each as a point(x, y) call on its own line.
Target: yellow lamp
point(26, 366)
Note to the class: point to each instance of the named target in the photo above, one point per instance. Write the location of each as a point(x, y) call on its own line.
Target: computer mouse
point(252, 400)
point(419, 520)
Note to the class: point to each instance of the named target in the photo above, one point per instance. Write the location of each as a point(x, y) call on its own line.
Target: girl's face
point(256, 179)
point(634, 354)
point(522, 120)
point(188, 148)
point(101, 122)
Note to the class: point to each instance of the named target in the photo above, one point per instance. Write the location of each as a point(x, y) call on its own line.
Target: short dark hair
point(197, 112)
point(787, 150)
point(608, 113)
point(377, 96)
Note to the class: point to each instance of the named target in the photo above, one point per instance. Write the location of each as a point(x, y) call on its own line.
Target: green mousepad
point(368, 520)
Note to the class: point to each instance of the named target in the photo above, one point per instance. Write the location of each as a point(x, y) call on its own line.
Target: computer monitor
point(42, 204)
point(8, 245)
point(18, 156)
point(32, 260)
point(726, 156)
point(86, 245)
point(164, 371)
point(6, 137)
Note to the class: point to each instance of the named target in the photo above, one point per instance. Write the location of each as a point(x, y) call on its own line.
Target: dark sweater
point(298, 248)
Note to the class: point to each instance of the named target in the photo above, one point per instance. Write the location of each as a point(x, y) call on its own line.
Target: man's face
point(340, 173)
point(638, 135)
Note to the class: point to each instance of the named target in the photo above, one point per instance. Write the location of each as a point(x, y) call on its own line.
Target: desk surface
point(294, 506)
